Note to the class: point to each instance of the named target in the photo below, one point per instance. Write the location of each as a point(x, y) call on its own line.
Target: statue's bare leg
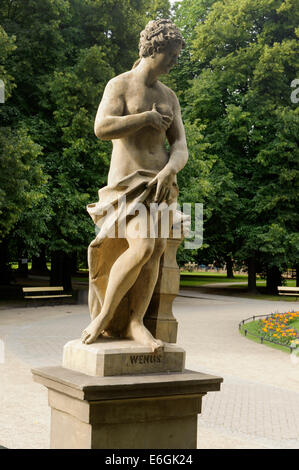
point(140, 296)
point(123, 275)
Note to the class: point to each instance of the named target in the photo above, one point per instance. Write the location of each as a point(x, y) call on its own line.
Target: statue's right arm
point(110, 123)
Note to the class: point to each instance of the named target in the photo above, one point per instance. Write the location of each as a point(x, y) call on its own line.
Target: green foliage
point(157, 9)
point(21, 177)
point(79, 164)
point(7, 46)
point(246, 55)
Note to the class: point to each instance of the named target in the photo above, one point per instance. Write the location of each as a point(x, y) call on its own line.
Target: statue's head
point(159, 35)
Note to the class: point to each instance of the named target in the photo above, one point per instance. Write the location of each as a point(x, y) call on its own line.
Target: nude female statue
point(137, 113)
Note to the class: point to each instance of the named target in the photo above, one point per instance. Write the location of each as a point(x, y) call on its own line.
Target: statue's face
point(166, 59)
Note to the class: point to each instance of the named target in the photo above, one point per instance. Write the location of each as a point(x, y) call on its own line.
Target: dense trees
point(21, 175)
point(234, 84)
point(245, 56)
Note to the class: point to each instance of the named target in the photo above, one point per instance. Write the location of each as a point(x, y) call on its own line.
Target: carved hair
point(156, 36)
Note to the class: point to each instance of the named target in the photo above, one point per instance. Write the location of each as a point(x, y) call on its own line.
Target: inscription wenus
point(106, 358)
point(145, 359)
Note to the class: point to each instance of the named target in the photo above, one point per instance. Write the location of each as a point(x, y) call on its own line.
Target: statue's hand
point(159, 121)
point(164, 181)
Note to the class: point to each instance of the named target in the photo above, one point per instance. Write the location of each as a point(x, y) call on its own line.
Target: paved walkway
point(258, 406)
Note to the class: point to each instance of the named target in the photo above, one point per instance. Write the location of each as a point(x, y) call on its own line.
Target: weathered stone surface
point(139, 114)
point(159, 317)
point(153, 411)
point(108, 357)
point(86, 387)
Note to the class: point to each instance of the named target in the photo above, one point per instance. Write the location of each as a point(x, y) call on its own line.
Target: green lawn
point(199, 279)
point(214, 275)
point(262, 282)
point(15, 265)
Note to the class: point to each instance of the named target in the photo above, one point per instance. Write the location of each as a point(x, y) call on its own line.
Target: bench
point(282, 290)
point(46, 292)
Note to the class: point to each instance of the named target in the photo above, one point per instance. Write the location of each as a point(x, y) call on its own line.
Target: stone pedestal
point(107, 357)
point(159, 317)
point(118, 394)
point(152, 411)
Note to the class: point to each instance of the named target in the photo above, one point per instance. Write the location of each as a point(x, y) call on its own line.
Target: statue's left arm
point(177, 140)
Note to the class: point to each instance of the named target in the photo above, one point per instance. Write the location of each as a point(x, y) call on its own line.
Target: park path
point(258, 406)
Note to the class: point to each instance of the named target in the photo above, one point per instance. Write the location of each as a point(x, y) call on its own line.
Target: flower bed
point(277, 327)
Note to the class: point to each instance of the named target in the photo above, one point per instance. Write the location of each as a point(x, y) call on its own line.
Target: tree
point(246, 53)
point(79, 164)
point(21, 180)
point(7, 46)
point(21, 176)
point(157, 9)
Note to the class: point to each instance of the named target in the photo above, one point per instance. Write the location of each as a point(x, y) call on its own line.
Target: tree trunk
point(61, 270)
point(39, 263)
point(23, 267)
point(273, 280)
point(251, 264)
point(297, 275)
point(74, 262)
point(229, 268)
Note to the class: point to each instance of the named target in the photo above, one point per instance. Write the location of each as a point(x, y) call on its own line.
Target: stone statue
point(138, 113)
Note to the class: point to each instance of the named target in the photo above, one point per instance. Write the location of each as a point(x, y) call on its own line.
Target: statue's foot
point(138, 332)
point(91, 333)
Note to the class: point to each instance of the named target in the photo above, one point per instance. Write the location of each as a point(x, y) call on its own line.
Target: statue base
point(108, 357)
point(152, 411)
